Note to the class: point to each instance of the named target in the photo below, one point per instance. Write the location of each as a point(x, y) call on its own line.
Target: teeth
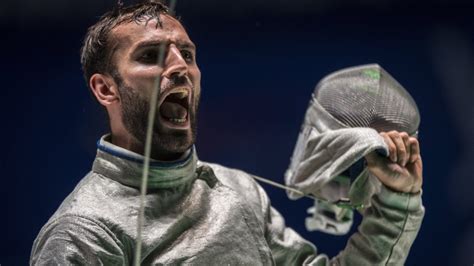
point(177, 120)
point(181, 93)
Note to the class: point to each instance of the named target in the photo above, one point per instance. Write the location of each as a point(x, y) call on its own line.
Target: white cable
point(278, 185)
point(148, 141)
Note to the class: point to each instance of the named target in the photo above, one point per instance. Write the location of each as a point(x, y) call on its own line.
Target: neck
point(132, 144)
point(127, 142)
point(122, 138)
point(167, 156)
point(126, 167)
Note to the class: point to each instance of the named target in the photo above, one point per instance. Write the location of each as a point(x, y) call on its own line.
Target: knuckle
point(413, 141)
point(392, 147)
point(393, 132)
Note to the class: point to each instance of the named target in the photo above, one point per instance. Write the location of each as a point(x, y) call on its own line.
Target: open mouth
point(174, 108)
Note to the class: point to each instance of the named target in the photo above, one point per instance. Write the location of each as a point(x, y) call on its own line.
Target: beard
point(135, 109)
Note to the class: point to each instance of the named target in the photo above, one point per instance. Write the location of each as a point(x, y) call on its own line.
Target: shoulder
point(83, 207)
point(75, 239)
point(91, 208)
point(234, 178)
point(73, 232)
point(93, 197)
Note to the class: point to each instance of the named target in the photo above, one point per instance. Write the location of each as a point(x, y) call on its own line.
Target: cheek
point(195, 75)
point(141, 78)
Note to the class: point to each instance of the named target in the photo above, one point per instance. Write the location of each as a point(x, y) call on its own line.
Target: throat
point(174, 112)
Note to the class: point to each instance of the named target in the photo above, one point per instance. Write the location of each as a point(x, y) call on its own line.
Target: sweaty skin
point(135, 55)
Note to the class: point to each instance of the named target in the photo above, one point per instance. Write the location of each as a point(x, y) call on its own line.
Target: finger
point(400, 145)
point(416, 171)
point(415, 149)
point(405, 138)
point(392, 148)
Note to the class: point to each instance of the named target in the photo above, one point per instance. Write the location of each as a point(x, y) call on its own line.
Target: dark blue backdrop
point(259, 68)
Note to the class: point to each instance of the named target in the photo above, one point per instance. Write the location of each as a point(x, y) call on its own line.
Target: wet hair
point(96, 51)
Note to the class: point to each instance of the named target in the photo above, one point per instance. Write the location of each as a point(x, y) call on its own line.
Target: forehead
point(130, 34)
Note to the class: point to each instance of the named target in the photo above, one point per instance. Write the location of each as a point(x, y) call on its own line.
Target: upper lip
point(184, 90)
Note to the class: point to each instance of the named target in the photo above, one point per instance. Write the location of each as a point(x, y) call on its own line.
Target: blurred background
point(260, 60)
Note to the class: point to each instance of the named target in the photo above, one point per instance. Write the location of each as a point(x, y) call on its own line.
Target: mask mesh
point(367, 96)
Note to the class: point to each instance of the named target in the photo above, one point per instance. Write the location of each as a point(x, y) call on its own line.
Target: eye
point(187, 55)
point(149, 57)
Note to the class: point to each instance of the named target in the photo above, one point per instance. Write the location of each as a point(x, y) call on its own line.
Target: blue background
point(260, 61)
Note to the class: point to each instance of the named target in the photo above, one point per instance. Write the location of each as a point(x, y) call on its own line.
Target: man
point(195, 213)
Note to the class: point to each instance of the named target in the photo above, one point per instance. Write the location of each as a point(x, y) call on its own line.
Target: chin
point(174, 143)
point(174, 140)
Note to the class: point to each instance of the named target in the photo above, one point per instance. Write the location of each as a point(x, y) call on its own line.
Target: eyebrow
point(155, 43)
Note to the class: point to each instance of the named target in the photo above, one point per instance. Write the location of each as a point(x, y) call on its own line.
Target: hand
point(402, 170)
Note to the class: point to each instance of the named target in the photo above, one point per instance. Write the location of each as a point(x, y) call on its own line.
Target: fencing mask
point(347, 110)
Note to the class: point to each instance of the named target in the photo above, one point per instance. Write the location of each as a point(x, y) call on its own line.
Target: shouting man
point(195, 212)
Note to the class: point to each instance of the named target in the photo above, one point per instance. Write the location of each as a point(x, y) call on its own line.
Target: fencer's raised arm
point(384, 237)
point(358, 146)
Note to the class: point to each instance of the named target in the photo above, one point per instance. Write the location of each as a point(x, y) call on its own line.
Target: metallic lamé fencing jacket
point(203, 214)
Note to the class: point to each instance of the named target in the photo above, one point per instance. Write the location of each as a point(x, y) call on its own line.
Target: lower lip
point(181, 126)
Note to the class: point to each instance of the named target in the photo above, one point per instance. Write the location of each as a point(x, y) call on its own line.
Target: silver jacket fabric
point(347, 110)
point(203, 214)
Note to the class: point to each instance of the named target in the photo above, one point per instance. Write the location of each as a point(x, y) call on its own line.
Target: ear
point(105, 89)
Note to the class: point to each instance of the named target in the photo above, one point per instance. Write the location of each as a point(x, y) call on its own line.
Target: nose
point(175, 65)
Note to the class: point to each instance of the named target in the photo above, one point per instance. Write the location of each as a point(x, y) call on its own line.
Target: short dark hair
point(96, 51)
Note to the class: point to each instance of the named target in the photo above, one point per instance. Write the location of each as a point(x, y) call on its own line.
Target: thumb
point(373, 158)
